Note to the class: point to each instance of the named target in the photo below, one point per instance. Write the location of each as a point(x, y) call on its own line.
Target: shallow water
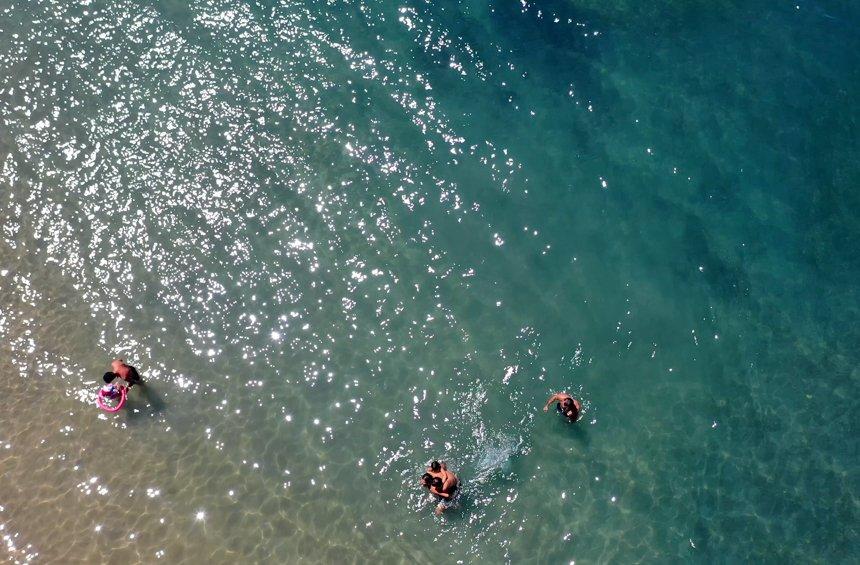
point(341, 239)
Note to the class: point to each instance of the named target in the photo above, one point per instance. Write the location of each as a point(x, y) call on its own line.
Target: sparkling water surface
point(342, 238)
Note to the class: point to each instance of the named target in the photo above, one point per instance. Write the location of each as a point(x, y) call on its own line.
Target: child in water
point(109, 389)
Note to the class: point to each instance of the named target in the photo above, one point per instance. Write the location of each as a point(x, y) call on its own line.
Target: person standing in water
point(567, 405)
point(125, 372)
point(443, 484)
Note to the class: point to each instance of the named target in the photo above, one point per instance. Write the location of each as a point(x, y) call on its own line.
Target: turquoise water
point(341, 239)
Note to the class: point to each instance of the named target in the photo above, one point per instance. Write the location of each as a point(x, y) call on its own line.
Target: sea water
point(340, 239)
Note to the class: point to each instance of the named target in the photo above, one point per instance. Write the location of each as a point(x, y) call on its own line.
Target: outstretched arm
point(553, 398)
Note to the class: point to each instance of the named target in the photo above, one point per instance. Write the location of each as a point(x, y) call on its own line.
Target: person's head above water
point(569, 409)
point(108, 377)
point(427, 480)
point(435, 466)
point(436, 483)
point(565, 404)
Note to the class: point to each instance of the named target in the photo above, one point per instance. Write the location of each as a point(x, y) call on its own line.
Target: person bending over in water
point(127, 373)
point(567, 405)
point(441, 483)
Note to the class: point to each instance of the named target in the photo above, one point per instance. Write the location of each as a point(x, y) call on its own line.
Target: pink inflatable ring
point(105, 395)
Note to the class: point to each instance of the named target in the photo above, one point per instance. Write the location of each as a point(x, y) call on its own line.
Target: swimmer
point(567, 405)
point(126, 373)
point(440, 469)
point(441, 483)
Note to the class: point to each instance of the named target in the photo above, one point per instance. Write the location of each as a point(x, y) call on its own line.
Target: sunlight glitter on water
point(342, 239)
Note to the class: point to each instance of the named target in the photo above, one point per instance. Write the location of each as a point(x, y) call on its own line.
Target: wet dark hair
point(435, 466)
point(427, 480)
point(108, 377)
point(568, 403)
point(436, 483)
